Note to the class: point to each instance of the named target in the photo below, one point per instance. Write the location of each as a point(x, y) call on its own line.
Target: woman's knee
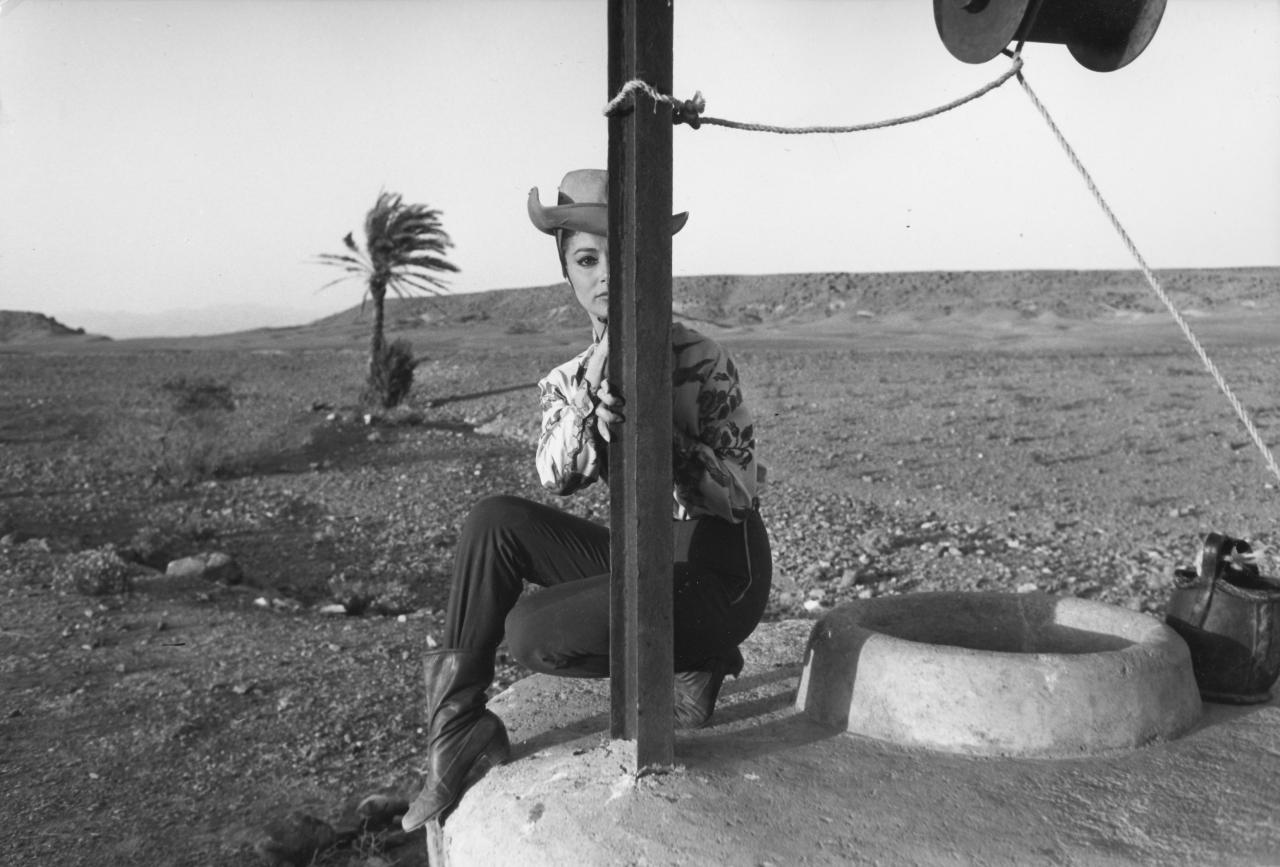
point(558, 638)
point(497, 508)
point(532, 646)
point(494, 513)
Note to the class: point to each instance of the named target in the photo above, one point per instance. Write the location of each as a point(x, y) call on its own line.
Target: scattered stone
point(382, 811)
point(221, 567)
point(185, 567)
point(297, 840)
point(212, 566)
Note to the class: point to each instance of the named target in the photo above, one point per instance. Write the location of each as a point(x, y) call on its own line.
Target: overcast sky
point(161, 154)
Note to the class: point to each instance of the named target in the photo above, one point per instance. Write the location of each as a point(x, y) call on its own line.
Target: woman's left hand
point(608, 410)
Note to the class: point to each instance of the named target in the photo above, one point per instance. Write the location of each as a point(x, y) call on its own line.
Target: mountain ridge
point(750, 300)
point(26, 326)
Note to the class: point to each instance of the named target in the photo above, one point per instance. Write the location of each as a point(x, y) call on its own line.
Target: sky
point(195, 155)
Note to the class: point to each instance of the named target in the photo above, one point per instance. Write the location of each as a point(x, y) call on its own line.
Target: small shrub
point(199, 394)
point(523, 326)
point(391, 374)
point(195, 443)
point(94, 572)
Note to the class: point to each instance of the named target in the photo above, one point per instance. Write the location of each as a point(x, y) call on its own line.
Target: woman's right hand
point(608, 403)
point(608, 410)
point(597, 364)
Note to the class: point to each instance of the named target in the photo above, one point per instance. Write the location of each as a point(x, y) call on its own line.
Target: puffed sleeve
point(570, 453)
point(714, 448)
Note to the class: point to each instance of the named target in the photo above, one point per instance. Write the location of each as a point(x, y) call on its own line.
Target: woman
point(722, 566)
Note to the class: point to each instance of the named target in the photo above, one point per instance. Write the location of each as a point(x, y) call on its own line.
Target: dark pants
point(722, 573)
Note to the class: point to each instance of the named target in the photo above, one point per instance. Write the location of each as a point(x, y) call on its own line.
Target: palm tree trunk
point(378, 293)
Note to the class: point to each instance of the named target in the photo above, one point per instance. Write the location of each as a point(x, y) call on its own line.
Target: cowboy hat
point(583, 205)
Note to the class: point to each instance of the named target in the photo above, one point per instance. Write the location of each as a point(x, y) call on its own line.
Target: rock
point(213, 566)
point(185, 567)
point(296, 840)
point(222, 568)
point(382, 811)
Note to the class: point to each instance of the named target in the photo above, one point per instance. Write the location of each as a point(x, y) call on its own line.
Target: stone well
point(999, 674)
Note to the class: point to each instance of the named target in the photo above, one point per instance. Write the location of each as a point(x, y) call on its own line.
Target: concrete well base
point(766, 785)
point(999, 674)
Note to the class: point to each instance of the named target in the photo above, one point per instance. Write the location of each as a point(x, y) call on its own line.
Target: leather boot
point(697, 691)
point(464, 740)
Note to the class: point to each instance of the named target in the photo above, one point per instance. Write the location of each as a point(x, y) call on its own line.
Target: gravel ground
point(173, 723)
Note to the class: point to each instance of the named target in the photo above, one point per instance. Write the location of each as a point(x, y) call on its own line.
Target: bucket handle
point(1215, 559)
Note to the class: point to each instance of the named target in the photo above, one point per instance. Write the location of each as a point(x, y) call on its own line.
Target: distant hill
point(746, 299)
point(813, 300)
point(20, 326)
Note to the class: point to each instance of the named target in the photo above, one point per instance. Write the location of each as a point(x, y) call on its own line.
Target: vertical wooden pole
point(640, 363)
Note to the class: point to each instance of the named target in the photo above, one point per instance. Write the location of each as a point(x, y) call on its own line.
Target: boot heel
point(496, 752)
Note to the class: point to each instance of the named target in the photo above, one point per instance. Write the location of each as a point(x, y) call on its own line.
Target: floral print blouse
point(714, 467)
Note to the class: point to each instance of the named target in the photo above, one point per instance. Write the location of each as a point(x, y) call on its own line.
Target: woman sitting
point(722, 566)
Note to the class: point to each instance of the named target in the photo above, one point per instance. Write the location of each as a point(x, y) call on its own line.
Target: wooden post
point(640, 364)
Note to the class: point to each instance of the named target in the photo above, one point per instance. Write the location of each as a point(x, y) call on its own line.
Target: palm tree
point(404, 249)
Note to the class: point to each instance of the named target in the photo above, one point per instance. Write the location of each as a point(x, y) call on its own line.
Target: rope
point(690, 110)
point(1155, 284)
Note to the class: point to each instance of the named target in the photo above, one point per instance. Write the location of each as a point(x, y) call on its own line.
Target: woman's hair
point(562, 242)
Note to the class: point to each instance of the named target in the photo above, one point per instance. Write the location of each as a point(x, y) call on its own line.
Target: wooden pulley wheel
point(1102, 35)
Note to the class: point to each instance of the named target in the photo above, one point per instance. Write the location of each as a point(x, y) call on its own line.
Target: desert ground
point(998, 431)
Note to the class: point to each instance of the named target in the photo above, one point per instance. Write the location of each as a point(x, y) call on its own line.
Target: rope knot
point(690, 111)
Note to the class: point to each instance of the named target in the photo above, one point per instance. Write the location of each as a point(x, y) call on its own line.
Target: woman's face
point(586, 265)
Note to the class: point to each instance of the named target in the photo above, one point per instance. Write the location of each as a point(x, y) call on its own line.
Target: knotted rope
point(1243, 414)
point(690, 110)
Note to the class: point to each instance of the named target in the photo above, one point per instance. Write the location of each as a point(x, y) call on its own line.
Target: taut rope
point(1243, 414)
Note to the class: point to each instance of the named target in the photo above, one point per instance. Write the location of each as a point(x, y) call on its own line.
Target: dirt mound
point(20, 326)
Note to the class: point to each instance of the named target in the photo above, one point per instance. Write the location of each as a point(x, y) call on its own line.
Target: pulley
point(1103, 35)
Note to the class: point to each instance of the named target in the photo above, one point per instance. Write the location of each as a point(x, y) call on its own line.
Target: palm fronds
point(405, 247)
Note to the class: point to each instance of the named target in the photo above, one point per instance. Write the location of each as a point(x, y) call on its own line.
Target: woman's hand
point(608, 403)
point(608, 410)
point(597, 364)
